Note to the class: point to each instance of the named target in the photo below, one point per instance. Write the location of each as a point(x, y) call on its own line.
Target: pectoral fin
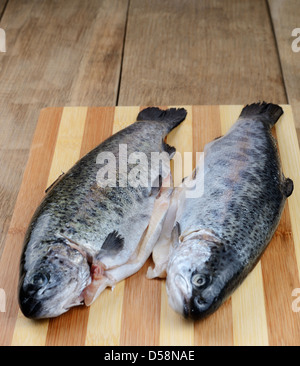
point(175, 234)
point(112, 245)
point(288, 187)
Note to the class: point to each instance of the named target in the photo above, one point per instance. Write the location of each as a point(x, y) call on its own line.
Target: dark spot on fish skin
point(253, 134)
point(217, 193)
point(82, 221)
point(102, 205)
point(139, 198)
point(145, 192)
point(243, 138)
point(119, 211)
point(228, 182)
point(238, 188)
point(239, 157)
point(223, 162)
point(71, 231)
point(249, 177)
point(214, 212)
point(249, 151)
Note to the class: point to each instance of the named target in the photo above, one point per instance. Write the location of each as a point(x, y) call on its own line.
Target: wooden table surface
point(136, 52)
point(136, 312)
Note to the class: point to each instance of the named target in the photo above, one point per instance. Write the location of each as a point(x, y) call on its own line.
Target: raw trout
point(85, 236)
point(218, 237)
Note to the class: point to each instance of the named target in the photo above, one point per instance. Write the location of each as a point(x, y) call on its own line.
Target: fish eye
point(200, 280)
point(40, 279)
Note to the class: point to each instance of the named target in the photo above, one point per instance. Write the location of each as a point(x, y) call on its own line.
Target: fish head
point(198, 277)
point(52, 283)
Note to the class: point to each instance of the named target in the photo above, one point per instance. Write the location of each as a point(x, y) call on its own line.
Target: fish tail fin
point(270, 112)
point(171, 117)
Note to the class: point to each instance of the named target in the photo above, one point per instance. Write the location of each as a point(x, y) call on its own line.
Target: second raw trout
point(219, 236)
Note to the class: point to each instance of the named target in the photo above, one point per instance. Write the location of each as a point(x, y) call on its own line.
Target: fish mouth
point(192, 311)
point(34, 308)
point(198, 308)
point(178, 291)
point(30, 307)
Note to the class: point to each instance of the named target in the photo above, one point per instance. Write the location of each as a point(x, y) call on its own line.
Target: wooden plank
point(286, 17)
point(69, 329)
point(31, 192)
point(199, 52)
point(66, 53)
point(98, 127)
point(216, 330)
point(204, 116)
point(281, 276)
point(249, 311)
point(68, 144)
point(104, 324)
point(141, 310)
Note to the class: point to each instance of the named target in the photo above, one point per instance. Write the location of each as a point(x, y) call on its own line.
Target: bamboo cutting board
point(263, 311)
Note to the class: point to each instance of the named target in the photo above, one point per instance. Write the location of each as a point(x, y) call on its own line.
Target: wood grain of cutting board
point(260, 312)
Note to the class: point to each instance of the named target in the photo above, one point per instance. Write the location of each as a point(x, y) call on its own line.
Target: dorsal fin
point(288, 187)
point(169, 149)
